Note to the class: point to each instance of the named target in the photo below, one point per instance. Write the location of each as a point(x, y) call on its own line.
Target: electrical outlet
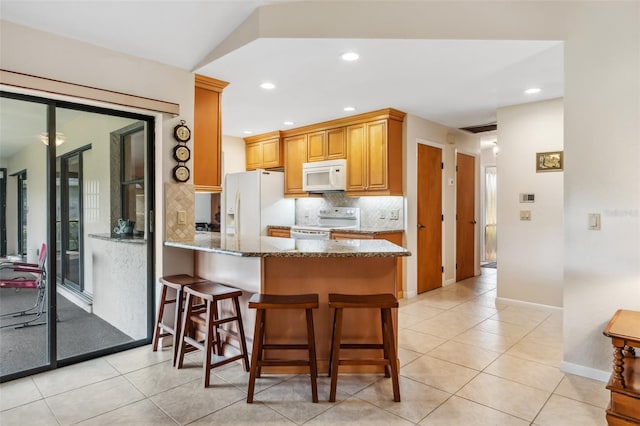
point(394, 214)
point(382, 215)
point(182, 217)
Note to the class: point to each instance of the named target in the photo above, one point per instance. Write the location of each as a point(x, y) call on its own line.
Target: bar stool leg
point(156, 330)
point(312, 356)
point(177, 324)
point(385, 349)
point(335, 355)
point(243, 342)
point(256, 354)
point(390, 351)
point(208, 342)
point(184, 328)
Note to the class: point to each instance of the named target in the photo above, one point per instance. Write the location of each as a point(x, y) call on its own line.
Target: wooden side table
point(624, 384)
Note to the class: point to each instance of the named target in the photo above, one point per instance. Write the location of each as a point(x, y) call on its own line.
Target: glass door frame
point(50, 239)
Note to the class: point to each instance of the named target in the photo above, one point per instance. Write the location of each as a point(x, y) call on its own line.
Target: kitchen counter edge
point(288, 247)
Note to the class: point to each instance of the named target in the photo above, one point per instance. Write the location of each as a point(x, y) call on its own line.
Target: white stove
point(328, 220)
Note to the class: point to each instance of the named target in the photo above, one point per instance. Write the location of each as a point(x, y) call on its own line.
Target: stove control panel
point(339, 213)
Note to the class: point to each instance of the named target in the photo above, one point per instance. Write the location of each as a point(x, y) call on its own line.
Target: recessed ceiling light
point(247, 132)
point(288, 123)
point(349, 108)
point(350, 56)
point(532, 91)
point(268, 86)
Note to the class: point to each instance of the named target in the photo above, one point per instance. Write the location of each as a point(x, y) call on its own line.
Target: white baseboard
point(450, 281)
point(531, 305)
point(409, 294)
point(581, 370)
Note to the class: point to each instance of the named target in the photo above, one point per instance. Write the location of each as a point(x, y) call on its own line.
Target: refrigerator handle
point(237, 213)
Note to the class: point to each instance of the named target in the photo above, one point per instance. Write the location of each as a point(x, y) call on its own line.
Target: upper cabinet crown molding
point(386, 113)
point(209, 83)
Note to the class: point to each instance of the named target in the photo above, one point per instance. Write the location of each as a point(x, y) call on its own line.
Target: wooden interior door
point(465, 215)
point(429, 218)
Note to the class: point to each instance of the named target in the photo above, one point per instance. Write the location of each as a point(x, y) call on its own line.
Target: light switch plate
point(594, 221)
point(525, 214)
point(182, 217)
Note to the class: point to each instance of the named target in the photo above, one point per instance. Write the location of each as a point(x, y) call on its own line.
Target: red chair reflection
point(19, 276)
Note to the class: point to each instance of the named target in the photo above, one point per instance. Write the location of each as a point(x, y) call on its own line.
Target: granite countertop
point(214, 242)
point(120, 238)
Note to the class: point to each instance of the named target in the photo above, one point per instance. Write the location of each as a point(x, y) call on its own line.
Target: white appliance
point(333, 218)
point(324, 176)
point(253, 200)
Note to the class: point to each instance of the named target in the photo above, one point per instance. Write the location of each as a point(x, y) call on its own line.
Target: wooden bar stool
point(207, 316)
point(384, 302)
point(264, 302)
point(178, 283)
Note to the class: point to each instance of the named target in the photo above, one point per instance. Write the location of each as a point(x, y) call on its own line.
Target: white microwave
point(324, 176)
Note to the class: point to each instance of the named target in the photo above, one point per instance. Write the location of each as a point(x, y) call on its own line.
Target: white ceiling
point(456, 83)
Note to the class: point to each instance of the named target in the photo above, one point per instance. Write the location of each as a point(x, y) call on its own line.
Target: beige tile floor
point(466, 359)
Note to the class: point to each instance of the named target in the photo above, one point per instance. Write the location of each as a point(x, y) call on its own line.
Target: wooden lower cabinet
point(279, 232)
point(393, 237)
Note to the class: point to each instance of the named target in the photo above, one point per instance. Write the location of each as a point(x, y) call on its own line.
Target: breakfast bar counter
point(288, 266)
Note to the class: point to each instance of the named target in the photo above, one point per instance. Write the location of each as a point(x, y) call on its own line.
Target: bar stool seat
point(161, 329)
point(265, 302)
point(384, 302)
point(207, 316)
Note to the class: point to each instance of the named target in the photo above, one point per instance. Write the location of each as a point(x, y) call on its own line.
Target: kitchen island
point(289, 266)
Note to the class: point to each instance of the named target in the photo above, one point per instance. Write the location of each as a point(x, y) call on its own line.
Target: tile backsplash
point(375, 212)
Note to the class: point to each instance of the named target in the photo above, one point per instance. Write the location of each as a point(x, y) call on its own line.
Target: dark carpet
point(493, 265)
point(79, 332)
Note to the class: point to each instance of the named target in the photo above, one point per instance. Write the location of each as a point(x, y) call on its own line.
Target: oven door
point(310, 234)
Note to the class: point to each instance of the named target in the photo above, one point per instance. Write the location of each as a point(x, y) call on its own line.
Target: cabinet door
point(254, 156)
point(316, 147)
point(377, 164)
point(336, 144)
point(206, 140)
point(271, 153)
point(351, 236)
point(295, 153)
point(279, 232)
point(356, 167)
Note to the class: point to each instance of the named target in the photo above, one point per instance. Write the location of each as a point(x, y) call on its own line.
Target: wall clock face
point(181, 173)
point(181, 132)
point(181, 153)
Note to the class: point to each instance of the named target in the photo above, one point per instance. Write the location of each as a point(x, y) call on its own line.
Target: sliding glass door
point(89, 171)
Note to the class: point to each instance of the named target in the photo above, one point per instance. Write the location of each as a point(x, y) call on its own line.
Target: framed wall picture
point(549, 161)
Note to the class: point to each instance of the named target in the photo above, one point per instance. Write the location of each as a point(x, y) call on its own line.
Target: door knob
point(420, 226)
point(473, 222)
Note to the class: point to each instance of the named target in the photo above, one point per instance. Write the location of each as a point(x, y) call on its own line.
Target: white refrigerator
point(254, 200)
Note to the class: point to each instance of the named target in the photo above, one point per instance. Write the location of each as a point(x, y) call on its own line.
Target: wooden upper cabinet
point(295, 153)
point(326, 145)
point(207, 134)
point(264, 151)
point(374, 156)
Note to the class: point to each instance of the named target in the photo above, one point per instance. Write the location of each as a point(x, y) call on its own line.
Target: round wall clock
point(181, 153)
point(181, 132)
point(181, 173)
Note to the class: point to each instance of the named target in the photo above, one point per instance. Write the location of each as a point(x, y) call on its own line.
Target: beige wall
point(530, 253)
